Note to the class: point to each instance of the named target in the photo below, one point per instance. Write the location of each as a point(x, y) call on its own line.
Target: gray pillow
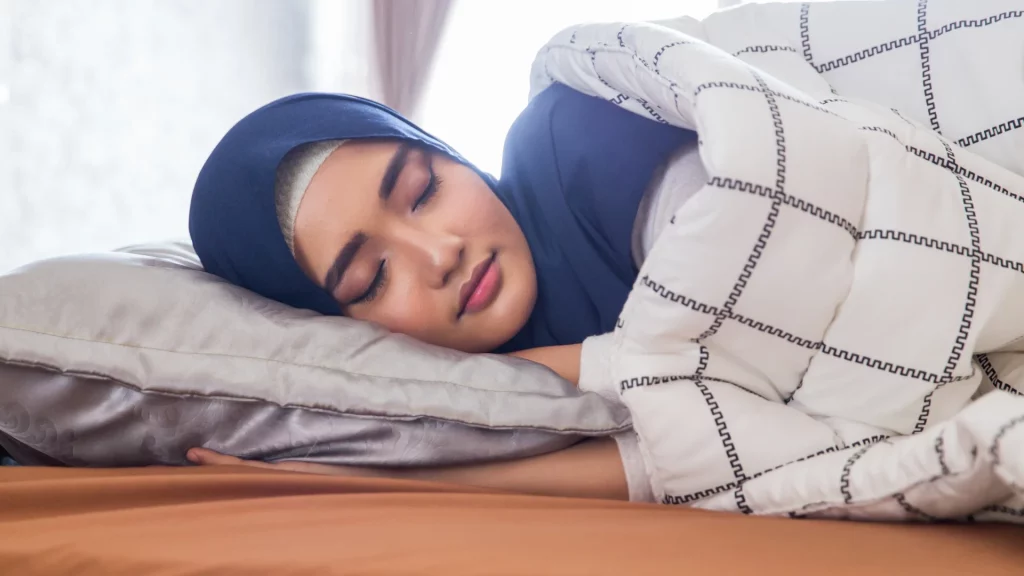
point(132, 357)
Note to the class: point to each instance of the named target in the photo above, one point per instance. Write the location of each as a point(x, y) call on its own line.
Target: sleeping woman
point(339, 205)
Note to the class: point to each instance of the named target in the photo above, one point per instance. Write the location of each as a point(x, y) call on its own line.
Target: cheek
point(407, 307)
point(474, 209)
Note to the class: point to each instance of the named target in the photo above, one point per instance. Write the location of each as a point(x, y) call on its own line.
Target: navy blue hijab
point(573, 173)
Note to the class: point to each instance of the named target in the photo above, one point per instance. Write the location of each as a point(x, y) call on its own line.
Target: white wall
point(475, 94)
point(114, 105)
point(109, 107)
point(341, 47)
point(6, 173)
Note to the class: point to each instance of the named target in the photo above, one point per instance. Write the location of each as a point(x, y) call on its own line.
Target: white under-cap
point(294, 174)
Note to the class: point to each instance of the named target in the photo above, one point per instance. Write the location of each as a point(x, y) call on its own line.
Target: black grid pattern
point(940, 454)
point(700, 495)
point(665, 48)
point(901, 499)
point(1015, 124)
point(892, 368)
point(726, 438)
point(923, 35)
point(763, 90)
point(764, 49)
point(933, 244)
point(778, 190)
point(844, 478)
point(947, 164)
point(993, 376)
point(995, 450)
point(953, 367)
point(921, 39)
point(1005, 510)
point(970, 299)
point(926, 66)
point(792, 201)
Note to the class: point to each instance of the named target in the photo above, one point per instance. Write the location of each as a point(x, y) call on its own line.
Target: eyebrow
point(342, 261)
point(394, 170)
point(348, 252)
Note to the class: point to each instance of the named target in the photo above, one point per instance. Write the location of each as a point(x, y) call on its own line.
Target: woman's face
point(414, 241)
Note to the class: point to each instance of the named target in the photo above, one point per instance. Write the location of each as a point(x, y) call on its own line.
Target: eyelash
point(375, 285)
point(432, 187)
point(382, 270)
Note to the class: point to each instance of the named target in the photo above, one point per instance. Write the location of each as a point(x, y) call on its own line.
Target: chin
point(504, 326)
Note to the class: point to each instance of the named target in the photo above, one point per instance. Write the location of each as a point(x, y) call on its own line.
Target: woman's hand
point(590, 469)
point(563, 360)
point(205, 457)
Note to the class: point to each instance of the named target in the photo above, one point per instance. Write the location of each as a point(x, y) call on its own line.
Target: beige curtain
point(406, 37)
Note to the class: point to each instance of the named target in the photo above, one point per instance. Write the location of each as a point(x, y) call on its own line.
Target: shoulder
point(560, 110)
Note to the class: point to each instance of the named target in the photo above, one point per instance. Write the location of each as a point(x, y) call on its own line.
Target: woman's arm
point(563, 360)
point(590, 469)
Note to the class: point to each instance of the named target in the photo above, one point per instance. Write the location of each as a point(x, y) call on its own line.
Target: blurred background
point(108, 108)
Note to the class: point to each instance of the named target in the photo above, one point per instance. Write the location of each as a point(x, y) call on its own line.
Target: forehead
point(350, 176)
point(342, 196)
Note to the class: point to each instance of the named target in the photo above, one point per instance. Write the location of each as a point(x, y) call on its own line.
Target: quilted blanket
point(834, 325)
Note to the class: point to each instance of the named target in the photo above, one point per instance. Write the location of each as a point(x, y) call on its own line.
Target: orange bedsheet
point(228, 521)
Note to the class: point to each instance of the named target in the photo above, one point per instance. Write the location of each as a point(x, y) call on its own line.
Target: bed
point(225, 520)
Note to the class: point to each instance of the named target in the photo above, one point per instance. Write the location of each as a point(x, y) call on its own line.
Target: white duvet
point(834, 324)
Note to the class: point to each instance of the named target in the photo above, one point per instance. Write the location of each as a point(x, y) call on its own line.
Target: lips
point(481, 288)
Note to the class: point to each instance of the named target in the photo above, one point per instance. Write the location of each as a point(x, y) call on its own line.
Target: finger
point(205, 457)
point(255, 464)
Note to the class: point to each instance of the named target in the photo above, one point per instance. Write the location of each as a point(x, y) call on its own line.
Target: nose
point(437, 254)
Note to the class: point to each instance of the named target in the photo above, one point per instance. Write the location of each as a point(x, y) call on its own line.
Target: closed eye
point(429, 190)
point(373, 290)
